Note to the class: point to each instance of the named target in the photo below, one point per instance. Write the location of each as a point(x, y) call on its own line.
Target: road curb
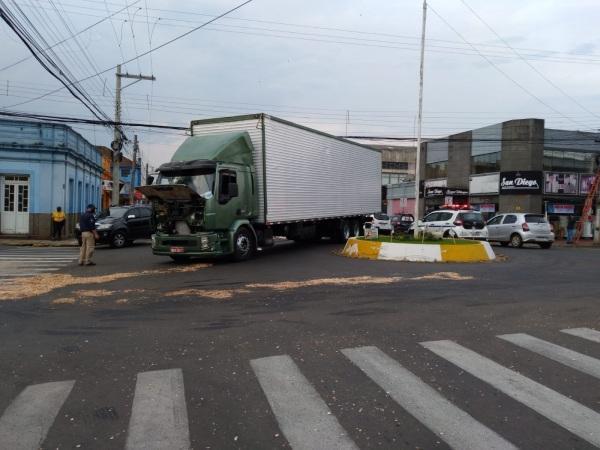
point(477, 251)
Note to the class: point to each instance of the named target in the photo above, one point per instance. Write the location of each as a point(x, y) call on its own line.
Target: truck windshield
point(202, 184)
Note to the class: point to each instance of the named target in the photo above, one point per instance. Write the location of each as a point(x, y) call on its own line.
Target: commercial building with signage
point(42, 166)
point(513, 166)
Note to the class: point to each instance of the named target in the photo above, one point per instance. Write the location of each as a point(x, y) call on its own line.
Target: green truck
point(237, 182)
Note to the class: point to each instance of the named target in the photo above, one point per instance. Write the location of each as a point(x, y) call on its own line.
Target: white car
point(381, 221)
point(451, 223)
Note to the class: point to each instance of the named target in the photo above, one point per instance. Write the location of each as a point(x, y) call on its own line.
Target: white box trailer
point(304, 174)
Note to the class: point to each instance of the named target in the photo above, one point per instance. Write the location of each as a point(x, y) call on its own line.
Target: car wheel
point(516, 241)
point(546, 245)
point(180, 258)
point(119, 240)
point(244, 245)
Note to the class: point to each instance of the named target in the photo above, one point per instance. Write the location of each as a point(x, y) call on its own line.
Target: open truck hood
point(169, 192)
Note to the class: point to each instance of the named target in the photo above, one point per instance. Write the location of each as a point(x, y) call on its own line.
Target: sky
point(347, 67)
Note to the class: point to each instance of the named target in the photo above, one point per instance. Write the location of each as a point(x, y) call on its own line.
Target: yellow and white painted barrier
point(445, 251)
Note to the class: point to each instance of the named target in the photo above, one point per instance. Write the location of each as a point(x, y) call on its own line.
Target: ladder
point(587, 206)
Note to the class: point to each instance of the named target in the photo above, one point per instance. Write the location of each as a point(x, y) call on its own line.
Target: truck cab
point(204, 199)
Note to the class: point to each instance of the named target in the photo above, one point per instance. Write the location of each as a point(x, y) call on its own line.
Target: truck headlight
point(204, 241)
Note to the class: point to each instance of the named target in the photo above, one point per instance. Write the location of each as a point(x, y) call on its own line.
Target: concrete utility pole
point(420, 120)
point(133, 168)
point(117, 143)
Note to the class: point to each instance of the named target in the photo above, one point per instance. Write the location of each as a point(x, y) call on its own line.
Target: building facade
point(42, 166)
point(513, 166)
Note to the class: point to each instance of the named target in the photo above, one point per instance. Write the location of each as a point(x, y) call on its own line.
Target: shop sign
point(107, 185)
point(485, 207)
point(438, 191)
point(455, 192)
point(554, 208)
point(521, 182)
point(561, 183)
point(585, 183)
point(431, 192)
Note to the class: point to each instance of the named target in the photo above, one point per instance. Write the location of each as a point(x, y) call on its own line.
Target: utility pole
point(117, 143)
point(420, 120)
point(133, 168)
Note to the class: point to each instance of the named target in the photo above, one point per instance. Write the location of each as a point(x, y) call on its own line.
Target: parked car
point(456, 223)
point(402, 223)
point(517, 229)
point(381, 222)
point(119, 226)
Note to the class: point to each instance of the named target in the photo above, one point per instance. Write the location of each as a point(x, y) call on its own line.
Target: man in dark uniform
point(87, 225)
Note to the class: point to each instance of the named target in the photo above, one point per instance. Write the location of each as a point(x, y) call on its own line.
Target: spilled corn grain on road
point(303, 347)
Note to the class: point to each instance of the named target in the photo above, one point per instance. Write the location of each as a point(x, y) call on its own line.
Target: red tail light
point(458, 223)
point(525, 227)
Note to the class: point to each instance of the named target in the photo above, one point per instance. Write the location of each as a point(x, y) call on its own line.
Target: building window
point(487, 163)
point(436, 170)
point(394, 165)
point(565, 161)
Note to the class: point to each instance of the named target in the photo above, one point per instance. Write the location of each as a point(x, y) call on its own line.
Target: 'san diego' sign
point(521, 182)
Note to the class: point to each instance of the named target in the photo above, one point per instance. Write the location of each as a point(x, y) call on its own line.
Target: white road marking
point(451, 424)
point(303, 416)
point(26, 421)
point(585, 333)
point(570, 358)
point(30, 262)
point(159, 415)
point(575, 417)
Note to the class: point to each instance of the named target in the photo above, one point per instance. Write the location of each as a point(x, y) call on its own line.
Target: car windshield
point(202, 184)
point(534, 218)
point(113, 211)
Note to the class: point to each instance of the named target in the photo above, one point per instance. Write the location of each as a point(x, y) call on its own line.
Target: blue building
point(42, 166)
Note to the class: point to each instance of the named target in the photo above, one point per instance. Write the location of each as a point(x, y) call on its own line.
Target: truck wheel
point(244, 245)
point(355, 228)
point(343, 232)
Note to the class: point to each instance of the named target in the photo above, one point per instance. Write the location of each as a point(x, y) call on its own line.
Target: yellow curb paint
point(358, 248)
point(464, 253)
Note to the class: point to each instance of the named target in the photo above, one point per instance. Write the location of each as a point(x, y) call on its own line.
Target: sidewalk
point(587, 243)
point(24, 242)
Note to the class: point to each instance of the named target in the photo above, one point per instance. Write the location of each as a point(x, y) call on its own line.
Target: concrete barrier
point(445, 251)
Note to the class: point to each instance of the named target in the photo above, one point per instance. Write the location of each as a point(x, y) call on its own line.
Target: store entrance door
point(15, 205)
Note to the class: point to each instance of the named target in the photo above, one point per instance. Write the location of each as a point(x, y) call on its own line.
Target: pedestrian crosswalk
point(159, 413)
point(16, 262)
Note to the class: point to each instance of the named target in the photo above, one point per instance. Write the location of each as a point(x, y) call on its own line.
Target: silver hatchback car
point(517, 229)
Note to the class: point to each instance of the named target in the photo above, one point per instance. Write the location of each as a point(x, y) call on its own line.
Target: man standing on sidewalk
point(58, 223)
point(571, 225)
point(87, 225)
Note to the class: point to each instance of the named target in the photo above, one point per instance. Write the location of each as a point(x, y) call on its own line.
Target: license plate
point(177, 250)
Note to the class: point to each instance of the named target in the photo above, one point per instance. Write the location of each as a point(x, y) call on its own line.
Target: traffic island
point(443, 250)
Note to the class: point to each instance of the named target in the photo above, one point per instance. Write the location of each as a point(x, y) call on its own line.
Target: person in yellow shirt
point(58, 223)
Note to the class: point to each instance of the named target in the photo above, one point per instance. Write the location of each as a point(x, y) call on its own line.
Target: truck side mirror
point(232, 188)
point(149, 179)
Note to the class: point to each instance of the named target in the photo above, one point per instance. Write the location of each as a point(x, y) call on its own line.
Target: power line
point(506, 75)
point(142, 54)
point(527, 62)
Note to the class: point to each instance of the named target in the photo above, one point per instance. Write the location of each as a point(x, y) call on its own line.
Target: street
point(304, 348)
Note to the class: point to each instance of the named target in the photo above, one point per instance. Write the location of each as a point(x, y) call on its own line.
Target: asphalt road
point(222, 355)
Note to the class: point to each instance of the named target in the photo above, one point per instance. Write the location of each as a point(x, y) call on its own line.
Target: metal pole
point(116, 175)
point(420, 119)
point(133, 168)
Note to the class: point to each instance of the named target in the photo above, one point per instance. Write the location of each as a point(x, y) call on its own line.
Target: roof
point(233, 147)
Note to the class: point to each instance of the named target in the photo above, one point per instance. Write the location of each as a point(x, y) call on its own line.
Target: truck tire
point(244, 245)
point(342, 232)
point(355, 228)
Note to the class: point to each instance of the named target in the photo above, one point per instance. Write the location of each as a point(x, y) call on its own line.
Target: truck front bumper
point(200, 244)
